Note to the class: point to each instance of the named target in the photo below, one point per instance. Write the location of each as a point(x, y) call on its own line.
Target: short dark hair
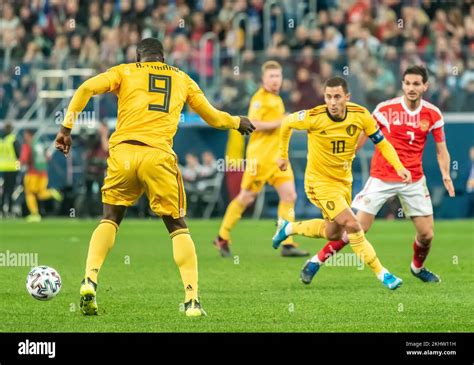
point(150, 49)
point(337, 81)
point(417, 70)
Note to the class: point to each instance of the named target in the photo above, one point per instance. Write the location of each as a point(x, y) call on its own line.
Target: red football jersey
point(407, 131)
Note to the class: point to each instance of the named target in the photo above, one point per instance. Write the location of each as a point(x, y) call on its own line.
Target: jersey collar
point(334, 119)
point(408, 111)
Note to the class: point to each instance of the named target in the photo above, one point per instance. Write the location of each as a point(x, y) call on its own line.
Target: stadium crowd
point(367, 41)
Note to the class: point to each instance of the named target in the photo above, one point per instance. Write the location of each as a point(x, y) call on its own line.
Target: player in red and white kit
point(406, 122)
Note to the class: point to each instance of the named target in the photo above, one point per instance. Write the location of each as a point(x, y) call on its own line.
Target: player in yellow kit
point(333, 133)
point(266, 112)
point(151, 95)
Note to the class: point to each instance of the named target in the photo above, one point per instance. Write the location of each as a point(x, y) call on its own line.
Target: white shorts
point(414, 198)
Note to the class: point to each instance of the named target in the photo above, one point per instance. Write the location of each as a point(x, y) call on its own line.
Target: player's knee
point(246, 198)
point(173, 224)
point(112, 217)
point(289, 197)
point(113, 213)
point(425, 237)
point(352, 226)
point(365, 227)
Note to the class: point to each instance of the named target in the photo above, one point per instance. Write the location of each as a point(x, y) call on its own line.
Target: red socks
point(420, 253)
point(330, 249)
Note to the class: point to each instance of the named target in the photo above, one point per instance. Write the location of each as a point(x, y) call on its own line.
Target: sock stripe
point(178, 232)
point(110, 222)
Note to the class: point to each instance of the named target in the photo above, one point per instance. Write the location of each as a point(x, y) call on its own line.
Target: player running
point(266, 112)
point(333, 132)
point(406, 122)
point(34, 162)
point(151, 95)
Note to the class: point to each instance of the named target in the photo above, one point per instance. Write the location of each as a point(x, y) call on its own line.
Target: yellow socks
point(232, 215)
point(32, 203)
point(311, 228)
point(184, 254)
point(365, 251)
point(102, 241)
point(286, 210)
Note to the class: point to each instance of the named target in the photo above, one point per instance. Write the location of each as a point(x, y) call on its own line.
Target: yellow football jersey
point(331, 143)
point(151, 96)
point(265, 107)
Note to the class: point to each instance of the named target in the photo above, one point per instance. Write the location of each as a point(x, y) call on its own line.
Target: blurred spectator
point(19, 105)
point(304, 95)
point(89, 55)
point(300, 38)
point(467, 97)
point(209, 165)
point(381, 84)
point(33, 160)
point(9, 167)
point(192, 169)
point(9, 21)
point(97, 151)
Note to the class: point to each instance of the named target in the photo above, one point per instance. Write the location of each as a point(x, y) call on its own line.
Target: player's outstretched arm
point(96, 85)
point(385, 147)
point(215, 118)
point(267, 126)
point(390, 154)
point(444, 162)
point(219, 119)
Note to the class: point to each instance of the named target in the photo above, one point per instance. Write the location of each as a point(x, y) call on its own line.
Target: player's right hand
point(63, 140)
point(448, 184)
point(405, 175)
point(283, 164)
point(246, 126)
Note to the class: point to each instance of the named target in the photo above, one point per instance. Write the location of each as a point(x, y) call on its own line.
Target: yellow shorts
point(35, 183)
point(332, 198)
point(255, 177)
point(133, 169)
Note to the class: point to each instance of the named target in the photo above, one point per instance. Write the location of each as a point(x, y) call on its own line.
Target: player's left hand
point(246, 126)
point(448, 184)
point(63, 140)
point(283, 164)
point(405, 175)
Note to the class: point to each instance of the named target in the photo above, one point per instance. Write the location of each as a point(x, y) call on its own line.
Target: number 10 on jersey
point(338, 146)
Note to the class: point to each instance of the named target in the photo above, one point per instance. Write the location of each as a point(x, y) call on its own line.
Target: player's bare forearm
point(444, 162)
point(266, 126)
point(444, 159)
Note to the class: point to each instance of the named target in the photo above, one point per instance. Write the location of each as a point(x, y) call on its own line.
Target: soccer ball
point(43, 283)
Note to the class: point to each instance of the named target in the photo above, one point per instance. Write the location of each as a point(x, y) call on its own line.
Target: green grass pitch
point(140, 289)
